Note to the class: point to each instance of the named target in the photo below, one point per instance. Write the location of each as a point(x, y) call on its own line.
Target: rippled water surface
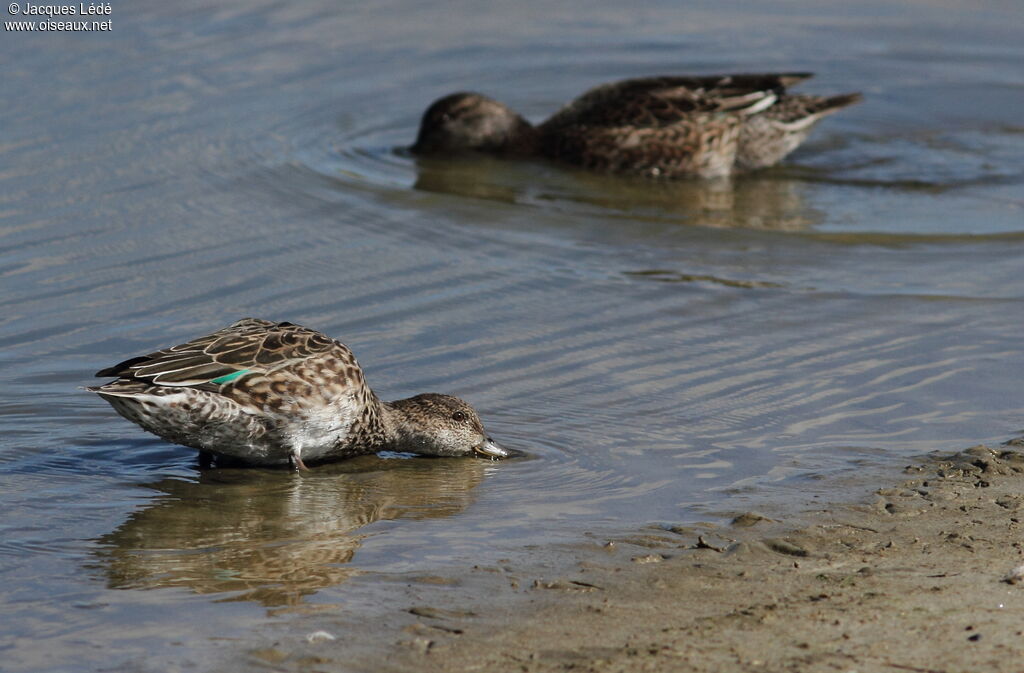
point(661, 352)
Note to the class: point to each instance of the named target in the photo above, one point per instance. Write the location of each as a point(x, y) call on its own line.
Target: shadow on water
point(273, 536)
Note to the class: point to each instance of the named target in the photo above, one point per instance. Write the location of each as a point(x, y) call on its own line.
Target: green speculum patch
point(229, 377)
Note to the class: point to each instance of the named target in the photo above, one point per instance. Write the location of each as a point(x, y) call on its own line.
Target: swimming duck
point(275, 393)
point(664, 127)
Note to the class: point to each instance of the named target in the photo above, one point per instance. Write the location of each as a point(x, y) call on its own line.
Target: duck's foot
point(295, 460)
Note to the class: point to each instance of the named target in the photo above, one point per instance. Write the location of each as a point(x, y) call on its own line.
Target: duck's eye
point(459, 416)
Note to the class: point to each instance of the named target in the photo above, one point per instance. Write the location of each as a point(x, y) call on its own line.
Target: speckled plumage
point(270, 393)
point(654, 126)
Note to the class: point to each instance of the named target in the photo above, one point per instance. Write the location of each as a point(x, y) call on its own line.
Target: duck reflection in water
point(772, 200)
point(271, 536)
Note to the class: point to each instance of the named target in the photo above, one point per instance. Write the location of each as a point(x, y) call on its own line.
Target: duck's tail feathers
point(788, 79)
point(834, 103)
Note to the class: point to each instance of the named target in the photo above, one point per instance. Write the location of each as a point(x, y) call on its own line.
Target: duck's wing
point(768, 137)
point(804, 109)
point(654, 102)
point(248, 347)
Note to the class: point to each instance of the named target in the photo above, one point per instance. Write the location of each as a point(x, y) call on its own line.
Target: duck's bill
point(491, 449)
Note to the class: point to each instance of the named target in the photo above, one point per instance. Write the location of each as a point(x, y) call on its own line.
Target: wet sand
point(918, 576)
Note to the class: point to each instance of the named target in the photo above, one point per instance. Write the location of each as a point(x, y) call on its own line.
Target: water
point(662, 353)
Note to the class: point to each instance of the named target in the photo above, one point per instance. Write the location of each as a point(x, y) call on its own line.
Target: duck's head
point(469, 122)
point(441, 425)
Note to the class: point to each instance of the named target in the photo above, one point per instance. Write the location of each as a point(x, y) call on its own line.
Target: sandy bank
point(913, 578)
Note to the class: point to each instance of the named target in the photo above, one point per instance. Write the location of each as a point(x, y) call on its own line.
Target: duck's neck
point(391, 420)
point(384, 427)
point(372, 430)
point(523, 140)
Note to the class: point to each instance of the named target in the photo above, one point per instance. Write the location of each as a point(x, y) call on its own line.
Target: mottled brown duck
point(666, 127)
point(278, 393)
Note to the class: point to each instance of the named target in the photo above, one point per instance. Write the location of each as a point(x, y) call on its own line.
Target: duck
point(276, 393)
point(662, 127)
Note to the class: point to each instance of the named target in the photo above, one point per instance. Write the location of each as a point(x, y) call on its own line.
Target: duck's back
point(668, 126)
point(256, 386)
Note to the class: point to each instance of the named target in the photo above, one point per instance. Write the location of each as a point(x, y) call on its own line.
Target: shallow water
point(662, 352)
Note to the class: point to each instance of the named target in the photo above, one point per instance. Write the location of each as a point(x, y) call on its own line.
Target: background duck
point(706, 126)
point(272, 393)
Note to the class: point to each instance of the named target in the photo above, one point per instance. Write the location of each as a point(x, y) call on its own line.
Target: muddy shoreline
point(918, 576)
